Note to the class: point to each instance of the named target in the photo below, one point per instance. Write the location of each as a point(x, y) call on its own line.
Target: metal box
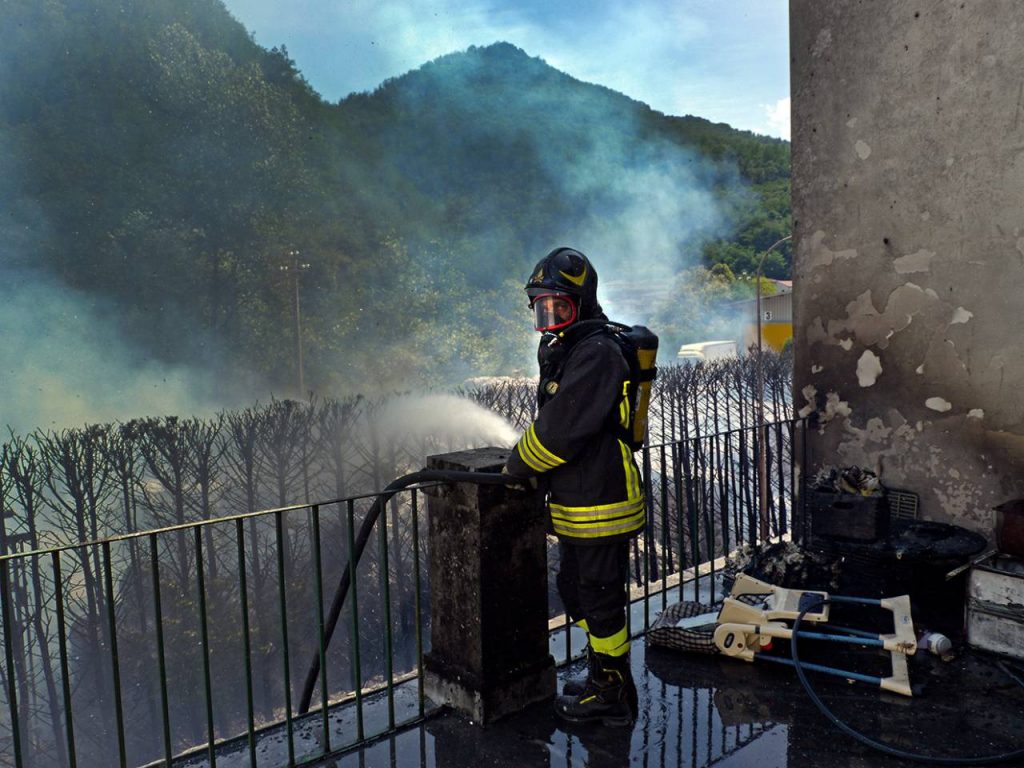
point(995, 606)
point(848, 516)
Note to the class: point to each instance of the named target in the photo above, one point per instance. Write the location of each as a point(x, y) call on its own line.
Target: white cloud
point(778, 118)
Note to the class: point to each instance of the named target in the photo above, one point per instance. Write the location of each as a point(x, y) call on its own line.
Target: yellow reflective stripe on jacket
point(597, 516)
point(624, 405)
point(535, 444)
point(602, 520)
point(534, 454)
point(574, 530)
point(630, 472)
point(616, 645)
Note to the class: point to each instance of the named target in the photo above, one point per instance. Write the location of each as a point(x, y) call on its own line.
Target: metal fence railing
point(193, 640)
point(190, 642)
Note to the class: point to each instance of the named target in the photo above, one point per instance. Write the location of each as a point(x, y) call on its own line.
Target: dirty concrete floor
point(697, 712)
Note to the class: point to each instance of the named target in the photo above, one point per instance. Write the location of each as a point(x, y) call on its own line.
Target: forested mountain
point(159, 163)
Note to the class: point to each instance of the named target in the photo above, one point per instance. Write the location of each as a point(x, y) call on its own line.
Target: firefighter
point(575, 449)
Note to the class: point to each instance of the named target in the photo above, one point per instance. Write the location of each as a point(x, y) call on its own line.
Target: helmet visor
point(552, 311)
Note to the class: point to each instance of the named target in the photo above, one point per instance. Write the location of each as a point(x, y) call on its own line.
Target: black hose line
point(365, 529)
point(868, 741)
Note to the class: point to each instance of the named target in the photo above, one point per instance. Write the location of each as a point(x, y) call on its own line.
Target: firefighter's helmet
point(563, 289)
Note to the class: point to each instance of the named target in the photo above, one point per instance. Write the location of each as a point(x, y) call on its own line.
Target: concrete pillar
point(908, 192)
point(488, 585)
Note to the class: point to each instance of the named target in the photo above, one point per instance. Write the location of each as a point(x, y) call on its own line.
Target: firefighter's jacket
point(574, 446)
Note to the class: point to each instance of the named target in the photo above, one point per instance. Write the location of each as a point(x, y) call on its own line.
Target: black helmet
point(564, 273)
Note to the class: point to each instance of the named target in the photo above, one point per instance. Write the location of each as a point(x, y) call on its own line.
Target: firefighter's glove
point(522, 483)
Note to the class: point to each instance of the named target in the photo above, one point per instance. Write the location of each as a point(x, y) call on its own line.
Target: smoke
point(663, 206)
point(65, 363)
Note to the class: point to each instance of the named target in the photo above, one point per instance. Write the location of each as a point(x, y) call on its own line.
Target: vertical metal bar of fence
point(791, 430)
point(204, 637)
point(750, 523)
point(357, 660)
point(282, 595)
point(692, 496)
point(62, 647)
point(679, 507)
point(318, 585)
point(780, 460)
point(685, 488)
point(706, 500)
point(709, 511)
point(385, 588)
point(417, 601)
point(734, 501)
point(243, 598)
point(666, 527)
point(158, 617)
point(650, 547)
point(12, 686)
point(115, 663)
point(803, 481)
point(723, 492)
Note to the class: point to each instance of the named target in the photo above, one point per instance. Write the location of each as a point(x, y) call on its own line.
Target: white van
point(705, 351)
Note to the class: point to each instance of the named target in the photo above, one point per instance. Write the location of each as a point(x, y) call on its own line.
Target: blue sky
point(725, 60)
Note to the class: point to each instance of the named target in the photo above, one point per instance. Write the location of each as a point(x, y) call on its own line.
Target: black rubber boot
point(575, 686)
point(609, 694)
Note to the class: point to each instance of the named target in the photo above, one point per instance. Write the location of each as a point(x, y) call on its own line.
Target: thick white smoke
point(64, 363)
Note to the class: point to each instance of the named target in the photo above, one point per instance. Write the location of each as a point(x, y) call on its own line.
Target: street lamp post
point(762, 428)
point(294, 267)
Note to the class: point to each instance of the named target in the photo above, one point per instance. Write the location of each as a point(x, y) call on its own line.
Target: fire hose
point(867, 740)
point(363, 537)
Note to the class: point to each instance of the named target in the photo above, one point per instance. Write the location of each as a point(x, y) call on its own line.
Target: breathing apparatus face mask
point(552, 311)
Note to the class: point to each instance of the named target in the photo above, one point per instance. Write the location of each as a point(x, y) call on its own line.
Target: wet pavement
point(698, 711)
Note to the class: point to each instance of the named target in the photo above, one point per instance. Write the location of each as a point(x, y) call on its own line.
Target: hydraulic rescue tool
point(756, 613)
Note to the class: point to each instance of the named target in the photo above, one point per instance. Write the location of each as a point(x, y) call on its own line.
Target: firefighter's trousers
point(592, 584)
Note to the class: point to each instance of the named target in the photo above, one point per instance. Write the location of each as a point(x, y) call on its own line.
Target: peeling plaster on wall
point(869, 368)
point(976, 413)
point(874, 328)
point(816, 369)
point(816, 331)
point(945, 365)
point(822, 42)
point(836, 407)
point(886, 448)
point(877, 431)
point(862, 149)
point(846, 344)
point(820, 255)
point(959, 499)
point(960, 315)
point(810, 394)
point(919, 370)
point(921, 261)
point(938, 404)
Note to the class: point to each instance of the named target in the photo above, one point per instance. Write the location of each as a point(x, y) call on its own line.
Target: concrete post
point(488, 585)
